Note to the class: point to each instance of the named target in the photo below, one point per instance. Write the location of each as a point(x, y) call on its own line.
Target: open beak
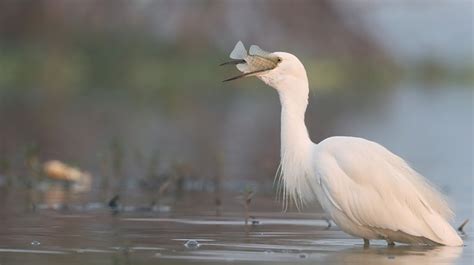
point(233, 62)
point(253, 64)
point(245, 74)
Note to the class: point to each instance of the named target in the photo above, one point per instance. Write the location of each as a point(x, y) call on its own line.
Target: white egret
point(368, 191)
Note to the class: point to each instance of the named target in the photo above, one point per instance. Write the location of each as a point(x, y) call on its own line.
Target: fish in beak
point(251, 63)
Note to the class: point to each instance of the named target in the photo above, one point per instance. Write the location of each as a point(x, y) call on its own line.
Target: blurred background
point(125, 97)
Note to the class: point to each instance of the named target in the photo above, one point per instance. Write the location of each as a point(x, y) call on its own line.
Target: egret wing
point(375, 188)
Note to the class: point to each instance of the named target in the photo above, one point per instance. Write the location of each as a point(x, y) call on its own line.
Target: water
point(193, 234)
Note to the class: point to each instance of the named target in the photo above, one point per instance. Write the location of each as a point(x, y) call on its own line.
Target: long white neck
point(296, 146)
point(294, 100)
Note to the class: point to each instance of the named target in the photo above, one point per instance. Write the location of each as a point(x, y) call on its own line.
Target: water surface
point(92, 234)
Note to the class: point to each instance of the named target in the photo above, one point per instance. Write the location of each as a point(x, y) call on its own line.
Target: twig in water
point(114, 204)
point(461, 227)
point(248, 194)
point(217, 184)
point(325, 218)
point(165, 186)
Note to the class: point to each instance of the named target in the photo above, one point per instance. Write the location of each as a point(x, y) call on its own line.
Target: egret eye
point(279, 59)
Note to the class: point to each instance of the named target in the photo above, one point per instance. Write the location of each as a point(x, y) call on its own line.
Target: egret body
point(368, 191)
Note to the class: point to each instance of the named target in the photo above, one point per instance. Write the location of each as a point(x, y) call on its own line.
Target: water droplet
point(157, 254)
point(268, 251)
point(303, 255)
point(191, 244)
point(35, 243)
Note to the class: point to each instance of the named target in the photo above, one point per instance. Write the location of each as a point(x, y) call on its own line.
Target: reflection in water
point(55, 196)
point(333, 254)
point(395, 255)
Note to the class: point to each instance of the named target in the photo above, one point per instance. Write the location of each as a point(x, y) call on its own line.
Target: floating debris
point(57, 170)
point(35, 243)
point(303, 255)
point(192, 244)
point(254, 220)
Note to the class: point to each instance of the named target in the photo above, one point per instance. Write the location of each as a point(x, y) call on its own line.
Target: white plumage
point(368, 191)
point(374, 194)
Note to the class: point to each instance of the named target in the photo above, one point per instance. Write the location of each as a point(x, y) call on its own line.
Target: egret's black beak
point(244, 75)
point(233, 62)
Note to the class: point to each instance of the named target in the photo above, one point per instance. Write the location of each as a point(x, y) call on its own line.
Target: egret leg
point(329, 222)
point(366, 243)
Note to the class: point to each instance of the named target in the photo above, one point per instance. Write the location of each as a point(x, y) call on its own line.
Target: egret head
point(288, 69)
point(275, 69)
